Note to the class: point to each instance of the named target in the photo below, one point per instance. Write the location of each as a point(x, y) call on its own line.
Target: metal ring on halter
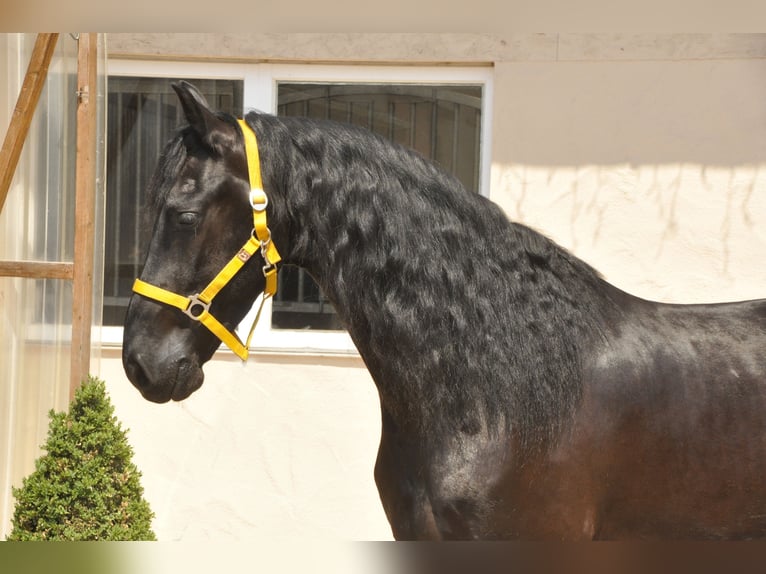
point(194, 302)
point(258, 200)
point(265, 242)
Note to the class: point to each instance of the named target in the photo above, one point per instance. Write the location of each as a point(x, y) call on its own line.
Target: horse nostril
point(184, 366)
point(135, 370)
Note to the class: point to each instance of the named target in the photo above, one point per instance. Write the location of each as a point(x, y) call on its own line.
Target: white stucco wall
point(277, 448)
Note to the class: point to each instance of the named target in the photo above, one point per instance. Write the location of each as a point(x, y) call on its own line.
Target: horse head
point(203, 215)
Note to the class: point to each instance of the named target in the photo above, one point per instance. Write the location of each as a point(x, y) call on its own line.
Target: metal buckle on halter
point(258, 199)
point(264, 247)
point(268, 268)
point(195, 302)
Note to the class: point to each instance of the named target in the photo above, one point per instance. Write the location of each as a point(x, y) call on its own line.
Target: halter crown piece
point(197, 306)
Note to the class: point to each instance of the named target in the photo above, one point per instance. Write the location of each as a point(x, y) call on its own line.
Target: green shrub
point(85, 487)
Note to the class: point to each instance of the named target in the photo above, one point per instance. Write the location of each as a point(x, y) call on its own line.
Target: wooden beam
point(37, 269)
point(37, 72)
point(85, 198)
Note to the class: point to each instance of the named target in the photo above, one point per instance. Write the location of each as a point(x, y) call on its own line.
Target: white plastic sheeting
point(37, 223)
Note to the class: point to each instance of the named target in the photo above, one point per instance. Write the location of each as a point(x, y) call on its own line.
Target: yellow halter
point(197, 306)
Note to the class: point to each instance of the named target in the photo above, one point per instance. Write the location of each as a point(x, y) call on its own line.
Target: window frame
point(260, 85)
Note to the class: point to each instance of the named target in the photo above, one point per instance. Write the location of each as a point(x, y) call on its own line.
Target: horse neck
point(437, 289)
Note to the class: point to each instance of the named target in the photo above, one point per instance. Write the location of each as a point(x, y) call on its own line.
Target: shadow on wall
point(654, 172)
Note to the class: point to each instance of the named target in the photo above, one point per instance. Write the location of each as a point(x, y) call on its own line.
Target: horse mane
point(461, 315)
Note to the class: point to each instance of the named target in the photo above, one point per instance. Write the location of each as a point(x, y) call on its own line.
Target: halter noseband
point(197, 306)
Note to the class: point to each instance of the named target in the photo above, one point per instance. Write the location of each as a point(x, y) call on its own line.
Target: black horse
point(522, 396)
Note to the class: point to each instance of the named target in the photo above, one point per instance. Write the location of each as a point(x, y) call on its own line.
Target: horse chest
point(442, 489)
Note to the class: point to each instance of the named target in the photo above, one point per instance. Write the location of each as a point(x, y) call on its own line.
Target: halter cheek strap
point(197, 306)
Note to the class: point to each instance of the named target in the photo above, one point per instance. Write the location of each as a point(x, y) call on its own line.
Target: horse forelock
point(168, 168)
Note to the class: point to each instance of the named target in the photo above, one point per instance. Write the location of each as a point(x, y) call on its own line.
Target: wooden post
point(85, 181)
point(26, 103)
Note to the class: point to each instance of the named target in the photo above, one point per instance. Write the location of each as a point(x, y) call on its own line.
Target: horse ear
point(215, 132)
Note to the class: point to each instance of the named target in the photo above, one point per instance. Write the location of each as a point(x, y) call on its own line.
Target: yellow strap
point(162, 295)
point(271, 281)
point(253, 158)
point(227, 337)
point(227, 273)
point(180, 302)
point(259, 201)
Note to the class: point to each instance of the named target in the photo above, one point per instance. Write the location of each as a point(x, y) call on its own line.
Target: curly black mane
point(486, 315)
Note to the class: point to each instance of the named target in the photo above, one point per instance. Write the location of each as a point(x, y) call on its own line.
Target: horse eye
point(187, 218)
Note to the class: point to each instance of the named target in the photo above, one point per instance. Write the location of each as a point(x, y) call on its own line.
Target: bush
point(85, 487)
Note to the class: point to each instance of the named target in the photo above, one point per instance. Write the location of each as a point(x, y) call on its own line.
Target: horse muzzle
point(162, 380)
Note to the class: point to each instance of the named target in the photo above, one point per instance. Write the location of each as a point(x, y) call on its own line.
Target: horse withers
point(522, 396)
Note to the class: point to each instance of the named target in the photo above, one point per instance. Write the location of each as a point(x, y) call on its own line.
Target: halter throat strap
point(197, 306)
